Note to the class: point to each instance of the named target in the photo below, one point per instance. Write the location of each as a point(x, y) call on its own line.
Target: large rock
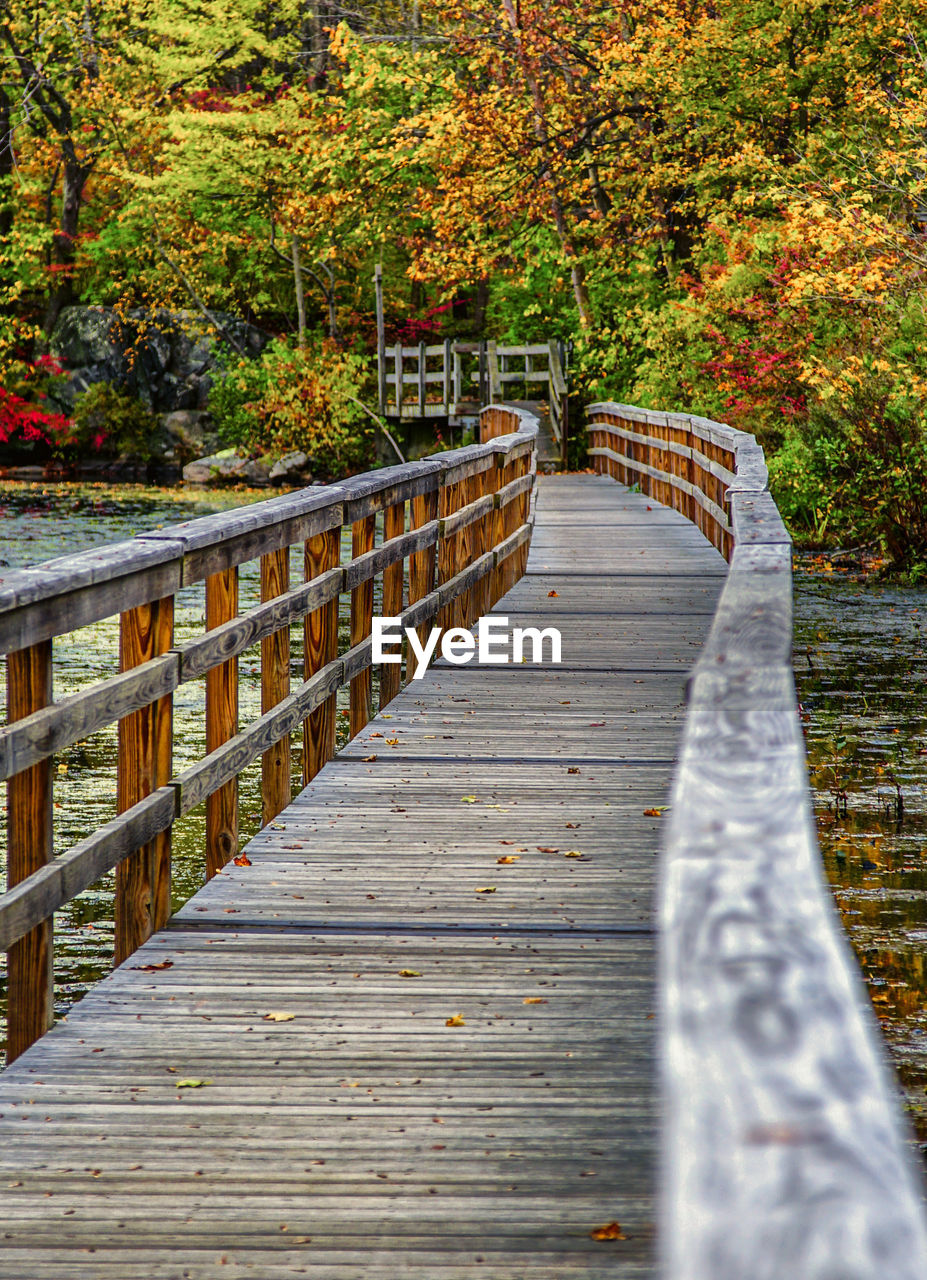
point(227, 468)
point(166, 358)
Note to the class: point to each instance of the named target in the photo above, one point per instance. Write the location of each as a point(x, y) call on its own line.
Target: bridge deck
point(360, 1135)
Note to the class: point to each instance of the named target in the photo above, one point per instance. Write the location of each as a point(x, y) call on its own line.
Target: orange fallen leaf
point(506, 841)
point(242, 860)
point(153, 968)
point(553, 593)
point(369, 759)
point(507, 858)
point(534, 1000)
point(657, 812)
point(544, 848)
point(572, 769)
point(611, 1231)
point(456, 1021)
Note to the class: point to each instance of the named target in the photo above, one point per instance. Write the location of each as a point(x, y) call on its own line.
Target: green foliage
point(297, 399)
point(110, 423)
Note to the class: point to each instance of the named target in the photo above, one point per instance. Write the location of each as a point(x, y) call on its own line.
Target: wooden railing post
point(447, 377)
point(399, 389)
point(275, 686)
point(143, 879)
point(363, 537)
point(221, 723)
point(320, 630)
point(422, 510)
point(30, 974)
point(394, 526)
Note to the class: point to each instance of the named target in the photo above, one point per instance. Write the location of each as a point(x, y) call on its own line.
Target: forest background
point(723, 206)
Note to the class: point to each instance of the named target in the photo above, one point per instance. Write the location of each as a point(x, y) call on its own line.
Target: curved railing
point(784, 1155)
point(460, 519)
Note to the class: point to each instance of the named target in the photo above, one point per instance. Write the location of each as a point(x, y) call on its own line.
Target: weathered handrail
point(784, 1152)
point(461, 519)
point(459, 373)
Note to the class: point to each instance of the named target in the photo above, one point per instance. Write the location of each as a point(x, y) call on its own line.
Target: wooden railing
point(784, 1154)
point(448, 379)
point(461, 520)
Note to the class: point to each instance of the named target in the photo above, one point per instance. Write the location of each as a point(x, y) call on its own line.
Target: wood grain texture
point(783, 1149)
point(387, 1143)
point(143, 879)
point(320, 638)
point(275, 687)
point(30, 974)
point(394, 523)
point(221, 723)
point(362, 540)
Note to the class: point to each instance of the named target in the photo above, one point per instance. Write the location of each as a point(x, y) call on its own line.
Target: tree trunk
point(65, 238)
point(300, 294)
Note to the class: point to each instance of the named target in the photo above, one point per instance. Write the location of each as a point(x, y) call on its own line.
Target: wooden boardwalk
point(285, 1097)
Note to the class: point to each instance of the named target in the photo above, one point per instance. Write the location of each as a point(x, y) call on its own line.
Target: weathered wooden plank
point(143, 878)
point(362, 540)
point(275, 687)
point(320, 637)
point(227, 761)
point(394, 523)
point(56, 726)
point(50, 887)
point(366, 566)
point(240, 633)
point(221, 723)
point(30, 975)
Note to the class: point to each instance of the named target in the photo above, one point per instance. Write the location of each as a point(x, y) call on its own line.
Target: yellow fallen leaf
point(409, 973)
point(611, 1231)
point(468, 799)
point(192, 1084)
point(456, 1021)
point(489, 888)
point(392, 742)
point(279, 1015)
point(573, 853)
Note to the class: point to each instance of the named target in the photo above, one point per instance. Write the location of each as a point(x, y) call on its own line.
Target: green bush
point(109, 422)
point(297, 399)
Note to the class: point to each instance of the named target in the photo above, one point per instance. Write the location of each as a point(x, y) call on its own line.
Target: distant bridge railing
point(784, 1154)
point(460, 520)
point(452, 379)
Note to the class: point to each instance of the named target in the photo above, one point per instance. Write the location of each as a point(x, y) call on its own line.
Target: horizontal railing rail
point(784, 1152)
point(454, 535)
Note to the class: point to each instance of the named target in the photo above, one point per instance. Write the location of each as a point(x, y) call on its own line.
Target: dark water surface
point(861, 669)
point(37, 523)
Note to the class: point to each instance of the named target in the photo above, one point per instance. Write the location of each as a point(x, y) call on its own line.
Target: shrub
point(297, 399)
point(110, 422)
point(26, 424)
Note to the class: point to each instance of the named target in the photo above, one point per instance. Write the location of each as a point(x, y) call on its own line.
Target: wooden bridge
point(473, 1004)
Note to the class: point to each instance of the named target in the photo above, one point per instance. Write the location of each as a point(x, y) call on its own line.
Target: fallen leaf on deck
point(506, 841)
point(392, 742)
point(571, 826)
point(376, 735)
point(656, 812)
point(574, 853)
point(152, 968)
point(192, 1084)
point(490, 888)
point(278, 826)
point(553, 593)
point(242, 860)
point(369, 759)
point(596, 724)
point(572, 769)
point(409, 973)
point(507, 858)
point(546, 848)
point(611, 1231)
point(278, 1015)
point(456, 1021)
point(468, 800)
point(534, 1000)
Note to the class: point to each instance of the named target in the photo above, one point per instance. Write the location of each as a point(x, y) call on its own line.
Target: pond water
point(38, 522)
point(861, 670)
